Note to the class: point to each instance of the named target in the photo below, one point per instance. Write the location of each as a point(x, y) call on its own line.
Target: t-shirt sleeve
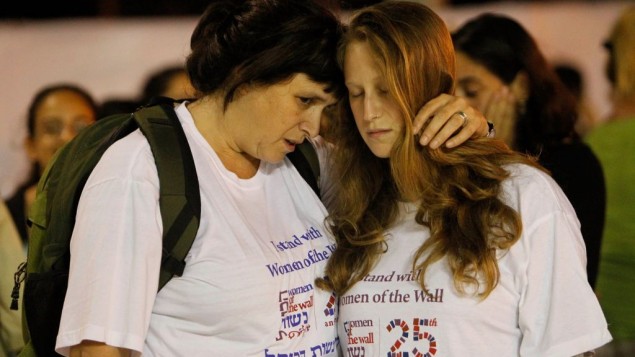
point(115, 255)
point(559, 314)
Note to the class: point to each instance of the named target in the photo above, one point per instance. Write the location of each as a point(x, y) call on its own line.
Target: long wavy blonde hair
point(457, 189)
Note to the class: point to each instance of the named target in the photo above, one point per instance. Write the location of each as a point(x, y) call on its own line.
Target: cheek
point(398, 120)
point(44, 149)
point(358, 113)
point(401, 128)
point(52, 143)
point(46, 143)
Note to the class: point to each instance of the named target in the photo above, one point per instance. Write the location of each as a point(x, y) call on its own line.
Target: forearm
point(98, 349)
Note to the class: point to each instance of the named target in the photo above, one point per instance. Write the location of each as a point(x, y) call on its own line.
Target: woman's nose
point(371, 109)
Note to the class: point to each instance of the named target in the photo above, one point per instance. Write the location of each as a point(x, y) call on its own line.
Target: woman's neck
point(211, 121)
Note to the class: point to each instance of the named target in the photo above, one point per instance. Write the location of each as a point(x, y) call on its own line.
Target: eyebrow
point(326, 98)
point(468, 79)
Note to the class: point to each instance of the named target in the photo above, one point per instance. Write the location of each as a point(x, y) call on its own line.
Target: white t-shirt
point(248, 287)
point(543, 305)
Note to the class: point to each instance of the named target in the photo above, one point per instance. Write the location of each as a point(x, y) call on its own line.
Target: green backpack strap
point(305, 160)
point(179, 201)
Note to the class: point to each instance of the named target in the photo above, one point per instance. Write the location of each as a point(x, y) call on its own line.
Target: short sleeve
point(115, 253)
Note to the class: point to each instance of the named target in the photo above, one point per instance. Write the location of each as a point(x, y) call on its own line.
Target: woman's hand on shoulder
point(450, 120)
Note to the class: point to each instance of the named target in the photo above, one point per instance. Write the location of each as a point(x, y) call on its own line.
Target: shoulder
point(524, 177)
point(533, 191)
point(611, 131)
point(574, 166)
point(129, 158)
point(614, 145)
point(569, 154)
point(7, 228)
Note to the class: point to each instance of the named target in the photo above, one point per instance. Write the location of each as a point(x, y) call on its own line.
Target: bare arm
point(442, 116)
point(98, 349)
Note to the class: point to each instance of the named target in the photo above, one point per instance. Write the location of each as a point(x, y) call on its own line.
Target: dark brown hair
point(263, 42)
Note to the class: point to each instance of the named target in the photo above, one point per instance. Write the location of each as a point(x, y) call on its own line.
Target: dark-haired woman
point(502, 72)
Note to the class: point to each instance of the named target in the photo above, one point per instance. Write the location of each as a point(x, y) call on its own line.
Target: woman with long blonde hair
point(466, 251)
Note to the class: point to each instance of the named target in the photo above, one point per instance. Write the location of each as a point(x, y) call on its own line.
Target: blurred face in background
point(475, 82)
point(58, 119)
point(499, 101)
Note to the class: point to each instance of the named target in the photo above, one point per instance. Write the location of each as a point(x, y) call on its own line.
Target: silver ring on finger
point(462, 115)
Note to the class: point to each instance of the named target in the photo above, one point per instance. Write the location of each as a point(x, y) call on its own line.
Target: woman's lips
point(290, 145)
point(377, 133)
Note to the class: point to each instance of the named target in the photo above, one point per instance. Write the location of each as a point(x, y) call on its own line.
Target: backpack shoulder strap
point(305, 160)
point(179, 200)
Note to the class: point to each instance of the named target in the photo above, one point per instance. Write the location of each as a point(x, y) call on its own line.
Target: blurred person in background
point(571, 76)
point(169, 81)
point(614, 143)
point(55, 115)
point(503, 73)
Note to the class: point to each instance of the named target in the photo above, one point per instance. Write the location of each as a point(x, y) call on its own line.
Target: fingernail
point(434, 144)
point(424, 140)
